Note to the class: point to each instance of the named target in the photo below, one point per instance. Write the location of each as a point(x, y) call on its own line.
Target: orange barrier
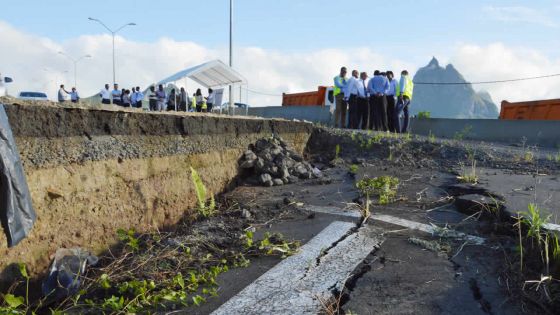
point(315, 98)
point(533, 110)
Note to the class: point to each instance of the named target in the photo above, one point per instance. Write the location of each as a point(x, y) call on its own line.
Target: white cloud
point(25, 58)
point(35, 64)
point(499, 62)
point(520, 14)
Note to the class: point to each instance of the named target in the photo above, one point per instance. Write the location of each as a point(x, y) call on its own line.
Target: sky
point(281, 46)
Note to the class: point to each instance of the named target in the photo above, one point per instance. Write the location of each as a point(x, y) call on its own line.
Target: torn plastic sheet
point(65, 274)
point(16, 210)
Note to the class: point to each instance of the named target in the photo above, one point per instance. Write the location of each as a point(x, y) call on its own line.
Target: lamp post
point(75, 61)
point(230, 50)
point(113, 33)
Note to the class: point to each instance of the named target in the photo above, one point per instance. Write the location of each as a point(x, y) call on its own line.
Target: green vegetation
point(553, 157)
point(468, 174)
point(206, 209)
point(424, 115)
point(538, 245)
point(431, 137)
point(14, 304)
point(153, 275)
point(385, 187)
point(353, 169)
point(460, 135)
point(337, 151)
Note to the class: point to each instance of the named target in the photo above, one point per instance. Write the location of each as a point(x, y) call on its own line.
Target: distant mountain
point(449, 101)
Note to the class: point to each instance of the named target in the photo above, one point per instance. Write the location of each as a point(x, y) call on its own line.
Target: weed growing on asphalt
point(337, 151)
point(385, 187)
point(205, 208)
point(431, 138)
point(468, 174)
point(353, 169)
point(537, 244)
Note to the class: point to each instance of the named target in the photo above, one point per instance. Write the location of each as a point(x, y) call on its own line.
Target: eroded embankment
point(91, 172)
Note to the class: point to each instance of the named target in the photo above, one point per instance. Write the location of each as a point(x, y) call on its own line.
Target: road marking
point(431, 229)
point(299, 283)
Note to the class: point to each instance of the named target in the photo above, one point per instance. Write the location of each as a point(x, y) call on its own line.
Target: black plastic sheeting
point(16, 210)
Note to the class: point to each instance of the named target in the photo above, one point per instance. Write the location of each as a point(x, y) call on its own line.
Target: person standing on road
point(391, 92)
point(161, 96)
point(62, 94)
point(74, 96)
point(363, 102)
point(152, 99)
point(171, 101)
point(405, 89)
point(340, 103)
point(352, 96)
point(210, 100)
point(378, 103)
point(105, 95)
point(183, 100)
point(116, 94)
point(139, 98)
point(199, 100)
point(126, 101)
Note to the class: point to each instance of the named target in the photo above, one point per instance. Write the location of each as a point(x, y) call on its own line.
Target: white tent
point(211, 74)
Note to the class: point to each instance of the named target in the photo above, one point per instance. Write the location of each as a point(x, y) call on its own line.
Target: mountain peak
point(434, 63)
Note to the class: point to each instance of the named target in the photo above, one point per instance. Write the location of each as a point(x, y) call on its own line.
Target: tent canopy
point(211, 74)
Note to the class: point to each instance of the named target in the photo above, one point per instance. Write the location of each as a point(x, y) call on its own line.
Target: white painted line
point(295, 285)
point(552, 226)
point(432, 229)
point(351, 212)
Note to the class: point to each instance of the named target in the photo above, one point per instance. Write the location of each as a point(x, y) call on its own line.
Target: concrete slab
point(298, 284)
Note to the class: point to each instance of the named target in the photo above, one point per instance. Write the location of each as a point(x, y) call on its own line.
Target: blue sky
point(285, 46)
point(297, 25)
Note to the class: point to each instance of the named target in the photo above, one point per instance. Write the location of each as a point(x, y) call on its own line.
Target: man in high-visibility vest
point(405, 89)
point(340, 102)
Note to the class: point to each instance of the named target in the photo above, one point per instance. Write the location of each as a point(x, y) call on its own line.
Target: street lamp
point(75, 61)
point(112, 33)
point(230, 50)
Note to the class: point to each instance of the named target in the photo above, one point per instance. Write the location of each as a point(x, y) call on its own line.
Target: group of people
point(375, 104)
point(63, 95)
point(159, 99)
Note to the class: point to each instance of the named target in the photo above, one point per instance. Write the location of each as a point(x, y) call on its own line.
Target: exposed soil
point(412, 272)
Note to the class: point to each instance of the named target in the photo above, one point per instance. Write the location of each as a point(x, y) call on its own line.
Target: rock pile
point(269, 162)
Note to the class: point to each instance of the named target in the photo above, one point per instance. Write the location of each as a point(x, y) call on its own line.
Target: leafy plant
point(460, 135)
point(205, 208)
point(353, 169)
point(337, 151)
point(129, 238)
point(424, 115)
point(468, 175)
point(431, 137)
point(385, 187)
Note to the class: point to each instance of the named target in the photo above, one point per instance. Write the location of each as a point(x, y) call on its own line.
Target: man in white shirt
point(363, 102)
point(74, 96)
point(105, 95)
point(351, 94)
point(139, 98)
point(116, 94)
point(62, 94)
point(391, 103)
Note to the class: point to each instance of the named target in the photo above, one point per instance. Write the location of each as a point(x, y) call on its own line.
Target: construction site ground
point(434, 249)
point(410, 271)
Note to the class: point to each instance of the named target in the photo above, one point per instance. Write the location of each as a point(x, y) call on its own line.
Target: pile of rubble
point(269, 162)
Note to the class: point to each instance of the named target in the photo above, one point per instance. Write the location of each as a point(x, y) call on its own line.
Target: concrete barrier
point(533, 132)
point(91, 172)
point(316, 114)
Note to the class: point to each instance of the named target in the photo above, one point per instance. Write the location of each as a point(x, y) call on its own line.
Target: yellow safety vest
point(204, 106)
point(193, 102)
point(340, 80)
point(409, 88)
